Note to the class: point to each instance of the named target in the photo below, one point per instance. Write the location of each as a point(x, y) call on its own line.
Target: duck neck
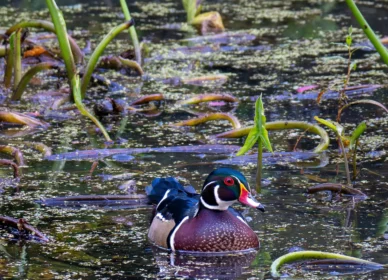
point(210, 199)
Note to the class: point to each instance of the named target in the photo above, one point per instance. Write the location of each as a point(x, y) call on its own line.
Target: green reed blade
point(98, 52)
point(17, 94)
point(48, 26)
point(132, 31)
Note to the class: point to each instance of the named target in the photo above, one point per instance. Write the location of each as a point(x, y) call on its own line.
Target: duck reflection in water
point(203, 265)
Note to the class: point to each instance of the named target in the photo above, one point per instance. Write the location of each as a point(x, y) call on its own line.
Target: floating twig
point(133, 200)
point(334, 187)
point(21, 224)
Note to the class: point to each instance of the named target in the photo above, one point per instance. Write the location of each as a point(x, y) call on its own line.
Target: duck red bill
point(246, 198)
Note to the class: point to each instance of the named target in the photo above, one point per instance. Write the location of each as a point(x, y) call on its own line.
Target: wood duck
point(186, 221)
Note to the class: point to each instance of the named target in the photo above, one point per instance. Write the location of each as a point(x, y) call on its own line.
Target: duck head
point(225, 186)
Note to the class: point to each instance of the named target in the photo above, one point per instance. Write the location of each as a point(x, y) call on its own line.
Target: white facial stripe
point(222, 205)
point(208, 185)
point(212, 207)
point(172, 237)
point(163, 198)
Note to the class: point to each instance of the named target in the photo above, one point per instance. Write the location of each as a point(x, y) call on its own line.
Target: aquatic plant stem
point(17, 58)
point(259, 171)
point(303, 255)
point(61, 31)
point(9, 64)
point(3, 51)
point(17, 94)
point(97, 53)
point(355, 161)
point(81, 107)
point(60, 28)
point(368, 31)
point(48, 26)
point(349, 182)
point(132, 31)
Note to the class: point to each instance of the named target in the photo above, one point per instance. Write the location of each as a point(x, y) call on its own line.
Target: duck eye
point(229, 181)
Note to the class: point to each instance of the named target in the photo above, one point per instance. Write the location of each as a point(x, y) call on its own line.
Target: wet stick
point(132, 32)
point(368, 31)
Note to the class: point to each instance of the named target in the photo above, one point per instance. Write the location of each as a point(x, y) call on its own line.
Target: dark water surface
point(288, 44)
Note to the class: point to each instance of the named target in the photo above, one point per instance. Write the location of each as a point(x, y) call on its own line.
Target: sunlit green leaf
point(260, 120)
point(258, 131)
point(353, 66)
point(350, 30)
point(336, 127)
point(348, 40)
point(252, 138)
point(357, 133)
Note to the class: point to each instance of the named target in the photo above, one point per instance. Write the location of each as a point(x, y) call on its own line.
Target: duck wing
point(173, 200)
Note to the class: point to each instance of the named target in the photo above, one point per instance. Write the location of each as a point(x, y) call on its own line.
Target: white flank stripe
point(242, 220)
point(172, 242)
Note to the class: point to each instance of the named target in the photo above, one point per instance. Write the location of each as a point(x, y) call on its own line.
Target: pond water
point(285, 45)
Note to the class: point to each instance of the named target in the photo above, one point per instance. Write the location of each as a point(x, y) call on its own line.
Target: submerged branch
point(21, 224)
point(333, 187)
